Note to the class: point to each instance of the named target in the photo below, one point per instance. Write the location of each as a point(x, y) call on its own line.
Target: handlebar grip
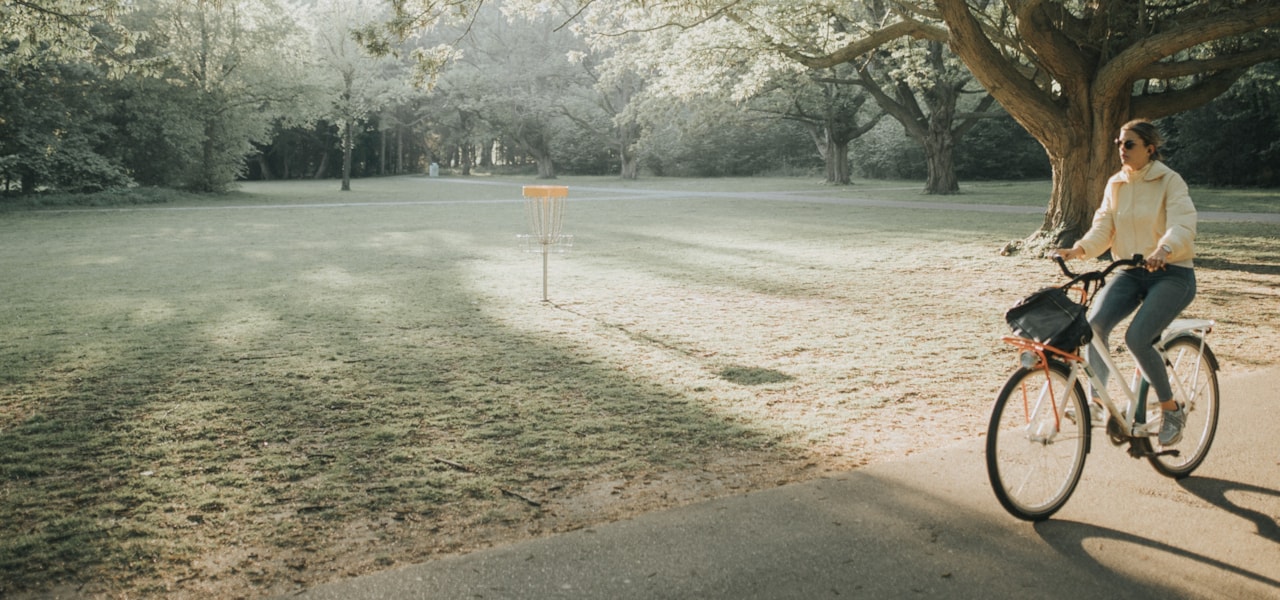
point(1097, 276)
point(1062, 264)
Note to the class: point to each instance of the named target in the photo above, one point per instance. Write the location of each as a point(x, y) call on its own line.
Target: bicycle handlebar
point(1136, 261)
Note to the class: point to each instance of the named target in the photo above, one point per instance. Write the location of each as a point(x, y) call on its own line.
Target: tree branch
point(1129, 65)
point(1036, 109)
point(1185, 68)
point(970, 119)
point(850, 52)
point(1054, 51)
point(1163, 104)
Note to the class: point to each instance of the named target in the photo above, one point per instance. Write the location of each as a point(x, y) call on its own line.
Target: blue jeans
point(1159, 297)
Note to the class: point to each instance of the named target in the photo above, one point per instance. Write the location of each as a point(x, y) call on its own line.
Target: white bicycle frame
point(1128, 417)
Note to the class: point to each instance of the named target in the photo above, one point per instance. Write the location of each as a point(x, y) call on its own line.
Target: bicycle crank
point(1137, 452)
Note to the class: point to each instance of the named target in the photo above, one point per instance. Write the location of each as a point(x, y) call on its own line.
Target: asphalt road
point(926, 526)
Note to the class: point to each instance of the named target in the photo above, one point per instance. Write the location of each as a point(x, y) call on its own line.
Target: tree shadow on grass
point(281, 408)
point(752, 375)
point(1220, 264)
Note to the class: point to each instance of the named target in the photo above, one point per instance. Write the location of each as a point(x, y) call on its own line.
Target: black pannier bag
point(1050, 317)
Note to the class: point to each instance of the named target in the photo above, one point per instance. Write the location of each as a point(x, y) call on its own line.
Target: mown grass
point(242, 395)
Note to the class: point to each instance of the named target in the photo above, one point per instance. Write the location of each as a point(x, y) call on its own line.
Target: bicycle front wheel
point(1037, 441)
point(1193, 374)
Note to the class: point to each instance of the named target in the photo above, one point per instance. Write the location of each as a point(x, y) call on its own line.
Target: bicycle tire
point(1033, 464)
point(1198, 372)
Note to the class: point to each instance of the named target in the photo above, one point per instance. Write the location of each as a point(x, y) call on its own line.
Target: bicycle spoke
point(1034, 453)
point(1191, 372)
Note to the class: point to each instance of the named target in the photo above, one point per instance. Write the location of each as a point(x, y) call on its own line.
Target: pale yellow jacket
point(1142, 211)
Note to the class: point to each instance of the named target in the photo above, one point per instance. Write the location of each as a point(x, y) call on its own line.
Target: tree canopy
point(69, 29)
point(197, 93)
point(1069, 72)
point(1072, 73)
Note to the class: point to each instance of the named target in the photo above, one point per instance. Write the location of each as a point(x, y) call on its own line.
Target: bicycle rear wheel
point(1037, 441)
point(1194, 377)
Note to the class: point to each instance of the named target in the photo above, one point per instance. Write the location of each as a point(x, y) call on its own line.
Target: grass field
point(241, 396)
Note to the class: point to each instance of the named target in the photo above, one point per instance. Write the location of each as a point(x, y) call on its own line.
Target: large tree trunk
point(382, 152)
point(834, 151)
point(630, 168)
point(546, 167)
point(1079, 180)
point(29, 181)
point(323, 167)
point(535, 143)
point(346, 155)
point(399, 150)
point(939, 152)
point(208, 154)
point(1083, 156)
point(837, 161)
point(264, 167)
point(940, 142)
point(466, 156)
point(630, 162)
point(935, 130)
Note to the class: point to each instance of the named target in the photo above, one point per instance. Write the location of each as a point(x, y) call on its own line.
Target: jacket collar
point(1153, 171)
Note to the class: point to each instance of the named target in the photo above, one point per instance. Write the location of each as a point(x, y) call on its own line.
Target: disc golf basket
point(544, 210)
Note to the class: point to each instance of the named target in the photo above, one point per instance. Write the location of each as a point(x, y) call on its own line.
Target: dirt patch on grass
point(244, 403)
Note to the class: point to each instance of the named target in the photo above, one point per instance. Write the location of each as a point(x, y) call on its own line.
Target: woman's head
point(1139, 143)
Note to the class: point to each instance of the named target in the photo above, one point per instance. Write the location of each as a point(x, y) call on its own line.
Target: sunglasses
point(1127, 144)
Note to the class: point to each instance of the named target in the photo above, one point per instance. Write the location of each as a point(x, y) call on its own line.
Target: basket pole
point(544, 272)
point(544, 208)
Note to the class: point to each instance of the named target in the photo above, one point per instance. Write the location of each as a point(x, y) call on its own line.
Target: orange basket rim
point(545, 191)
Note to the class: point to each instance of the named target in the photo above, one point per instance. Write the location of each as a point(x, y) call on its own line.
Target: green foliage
point(1234, 140)
point(53, 130)
point(159, 133)
point(884, 153)
point(705, 140)
point(187, 120)
point(995, 149)
point(194, 111)
point(35, 31)
point(584, 155)
point(999, 148)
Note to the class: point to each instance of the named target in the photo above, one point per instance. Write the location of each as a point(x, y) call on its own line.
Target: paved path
point(836, 195)
point(613, 194)
point(927, 526)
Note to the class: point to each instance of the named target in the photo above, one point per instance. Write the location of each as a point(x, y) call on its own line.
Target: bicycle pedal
point(1115, 433)
point(1135, 452)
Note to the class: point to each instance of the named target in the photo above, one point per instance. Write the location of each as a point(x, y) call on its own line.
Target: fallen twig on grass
point(458, 466)
point(237, 359)
point(528, 500)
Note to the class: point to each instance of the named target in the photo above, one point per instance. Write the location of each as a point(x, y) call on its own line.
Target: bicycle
point(1040, 430)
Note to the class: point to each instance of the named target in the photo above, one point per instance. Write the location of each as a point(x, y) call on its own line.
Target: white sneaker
point(1097, 413)
point(1171, 427)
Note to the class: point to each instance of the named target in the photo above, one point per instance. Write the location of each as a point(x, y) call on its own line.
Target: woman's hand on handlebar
point(1158, 260)
point(1069, 253)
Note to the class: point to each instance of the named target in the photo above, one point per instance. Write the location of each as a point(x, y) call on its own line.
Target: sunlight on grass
point(228, 392)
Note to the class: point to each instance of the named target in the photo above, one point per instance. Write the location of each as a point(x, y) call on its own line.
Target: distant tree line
point(197, 95)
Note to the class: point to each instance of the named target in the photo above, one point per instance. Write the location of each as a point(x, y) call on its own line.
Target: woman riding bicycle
point(1146, 210)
